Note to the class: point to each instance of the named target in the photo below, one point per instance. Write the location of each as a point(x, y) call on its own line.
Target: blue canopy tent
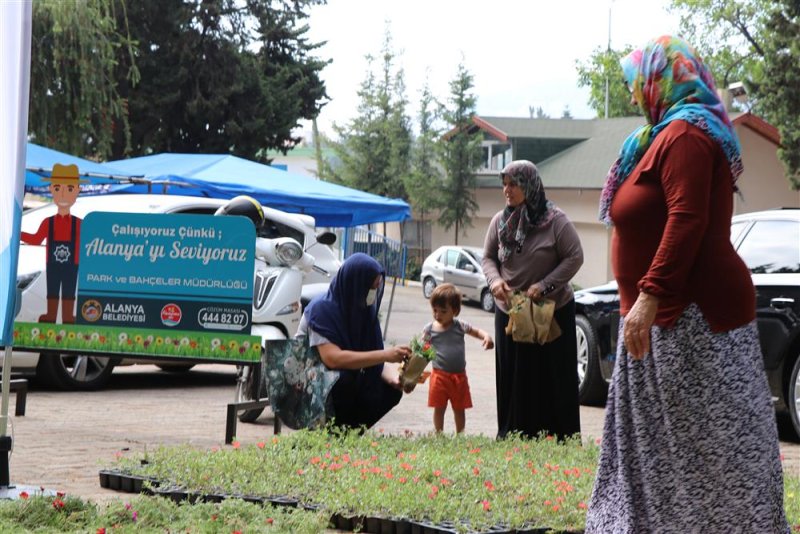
point(39, 163)
point(226, 176)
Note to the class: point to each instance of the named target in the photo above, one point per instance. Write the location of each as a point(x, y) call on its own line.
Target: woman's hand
point(534, 292)
point(500, 290)
point(397, 353)
point(487, 342)
point(636, 326)
point(391, 376)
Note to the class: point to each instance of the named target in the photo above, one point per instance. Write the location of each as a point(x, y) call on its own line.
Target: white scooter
point(281, 264)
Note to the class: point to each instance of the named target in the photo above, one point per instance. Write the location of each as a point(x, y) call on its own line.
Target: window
point(452, 258)
point(736, 230)
point(772, 247)
point(464, 263)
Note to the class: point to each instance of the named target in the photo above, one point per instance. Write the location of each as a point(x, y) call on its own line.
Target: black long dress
point(537, 385)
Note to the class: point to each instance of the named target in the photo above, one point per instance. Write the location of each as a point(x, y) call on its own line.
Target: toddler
point(448, 381)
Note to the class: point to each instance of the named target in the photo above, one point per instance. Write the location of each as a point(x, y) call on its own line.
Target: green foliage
point(475, 479)
point(64, 515)
point(220, 76)
point(601, 67)
point(75, 102)
point(111, 78)
point(780, 88)
point(460, 154)
point(728, 34)
point(374, 147)
point(424, 181)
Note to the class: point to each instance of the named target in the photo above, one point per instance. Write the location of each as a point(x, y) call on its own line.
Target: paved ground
point(66, 437)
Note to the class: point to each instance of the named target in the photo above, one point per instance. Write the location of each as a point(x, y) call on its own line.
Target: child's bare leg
point(459, 417)
point(438, 418)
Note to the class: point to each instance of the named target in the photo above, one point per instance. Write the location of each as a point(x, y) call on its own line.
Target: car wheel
point(592, 388)
point(175, 367)
point(251, 385)
point(428, 285)
point(77, 372)
point(487, 301)
point(793, 396)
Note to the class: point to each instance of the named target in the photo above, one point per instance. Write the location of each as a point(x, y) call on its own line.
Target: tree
point(780, 88)
point(75, 104)
point(728, 34)
point(424, 183)
point(461, 154)
point(374, 147)
point(755, 42)
point(220, 76)
point(537, 113)
point(604, 65)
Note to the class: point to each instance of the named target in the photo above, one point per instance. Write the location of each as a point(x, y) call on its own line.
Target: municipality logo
point(61, 254)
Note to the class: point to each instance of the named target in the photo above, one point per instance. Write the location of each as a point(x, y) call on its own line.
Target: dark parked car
point(769, 243)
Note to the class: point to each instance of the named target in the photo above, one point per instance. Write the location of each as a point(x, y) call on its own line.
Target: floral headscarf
point(670, 82)
point(535, 211)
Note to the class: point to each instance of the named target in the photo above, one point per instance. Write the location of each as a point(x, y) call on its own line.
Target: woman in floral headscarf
point(690, 442)
point(532, 247)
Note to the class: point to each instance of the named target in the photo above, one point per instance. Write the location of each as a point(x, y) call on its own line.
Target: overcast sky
point(521, 53)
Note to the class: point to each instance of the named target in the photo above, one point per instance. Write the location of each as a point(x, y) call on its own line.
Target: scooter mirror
point(326, 238)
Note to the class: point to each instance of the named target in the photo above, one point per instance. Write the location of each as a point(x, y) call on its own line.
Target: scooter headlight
point(288, 252)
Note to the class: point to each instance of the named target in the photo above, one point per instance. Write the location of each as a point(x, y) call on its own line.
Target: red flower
point(261, 444)
point(476, 471)
point(269, 520)
point(58, 504)
point(486, 506)
point(101, 530)
point(489, 485)
point(236, 444)
point(23, 495)
point(582, 505)
point(437, 473)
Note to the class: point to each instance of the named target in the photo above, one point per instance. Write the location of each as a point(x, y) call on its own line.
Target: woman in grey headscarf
point(532, 247)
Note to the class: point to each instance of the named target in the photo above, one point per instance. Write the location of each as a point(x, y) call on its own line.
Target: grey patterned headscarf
point(534, 212)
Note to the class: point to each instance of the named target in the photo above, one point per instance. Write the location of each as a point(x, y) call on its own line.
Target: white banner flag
point(15, 67)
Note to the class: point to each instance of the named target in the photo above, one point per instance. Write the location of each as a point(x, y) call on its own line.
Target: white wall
point(763, 183)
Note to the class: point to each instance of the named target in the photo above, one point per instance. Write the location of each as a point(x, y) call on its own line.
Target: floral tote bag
point(299, 383)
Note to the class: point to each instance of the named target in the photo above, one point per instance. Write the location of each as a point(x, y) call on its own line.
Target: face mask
point(372, 294)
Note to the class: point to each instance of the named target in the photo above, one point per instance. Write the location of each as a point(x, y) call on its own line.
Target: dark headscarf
point(515, 222)
point(342, 315)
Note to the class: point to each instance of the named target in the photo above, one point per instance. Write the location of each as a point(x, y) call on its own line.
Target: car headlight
point(24, 280)
point(288, 252)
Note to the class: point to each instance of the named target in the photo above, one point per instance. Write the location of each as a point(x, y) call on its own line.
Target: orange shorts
point(446, 386)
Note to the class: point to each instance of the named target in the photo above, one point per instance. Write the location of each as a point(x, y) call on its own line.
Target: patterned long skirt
point(690, 443)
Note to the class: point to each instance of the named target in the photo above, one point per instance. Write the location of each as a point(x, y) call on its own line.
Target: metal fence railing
point(392, 254)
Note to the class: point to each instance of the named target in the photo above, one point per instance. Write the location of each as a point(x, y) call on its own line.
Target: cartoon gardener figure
point(62, 232)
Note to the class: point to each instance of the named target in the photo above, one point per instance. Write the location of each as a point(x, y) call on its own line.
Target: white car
point(85, 372)
point(460, 266)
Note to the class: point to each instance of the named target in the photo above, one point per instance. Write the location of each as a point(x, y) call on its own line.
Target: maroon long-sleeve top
point(671, 239)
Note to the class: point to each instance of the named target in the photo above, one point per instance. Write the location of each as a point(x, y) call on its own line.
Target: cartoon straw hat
point(65, 174)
